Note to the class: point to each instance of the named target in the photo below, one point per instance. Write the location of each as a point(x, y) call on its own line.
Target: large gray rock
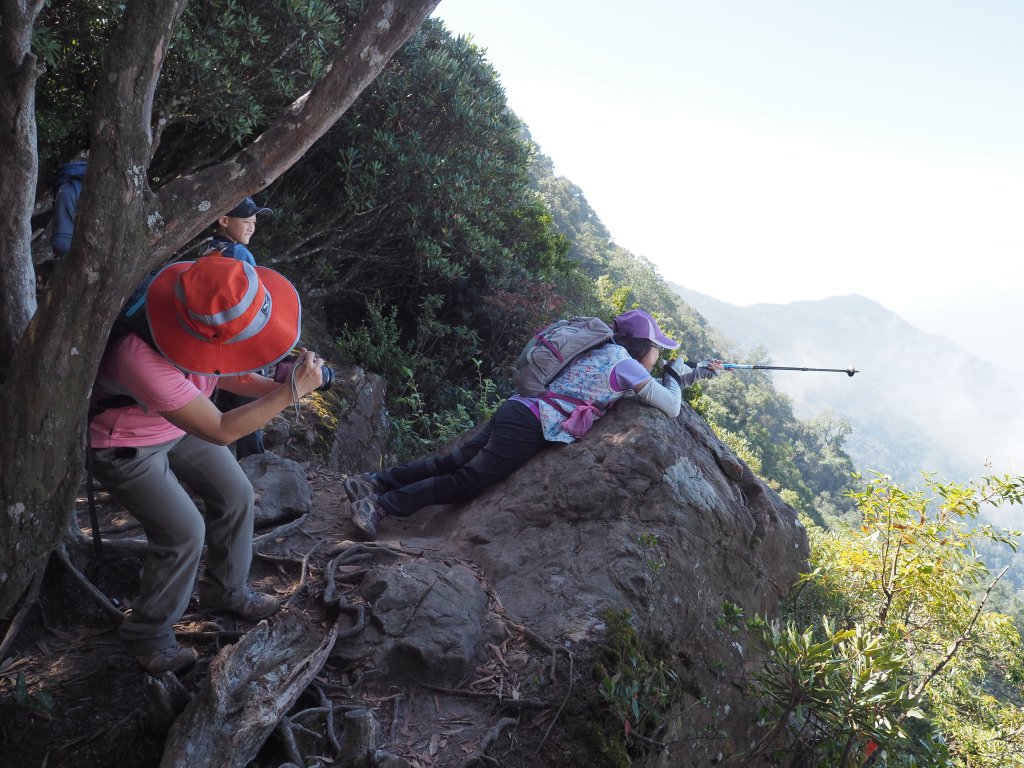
point(282, 490)
point(426, 621)
point(361, 436)
point(558, 543)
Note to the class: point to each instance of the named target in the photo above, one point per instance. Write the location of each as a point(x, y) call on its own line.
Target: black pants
point(511, 437)
point(250, 444)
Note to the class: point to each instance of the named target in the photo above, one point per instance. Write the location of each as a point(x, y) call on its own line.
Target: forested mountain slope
point(919, 402)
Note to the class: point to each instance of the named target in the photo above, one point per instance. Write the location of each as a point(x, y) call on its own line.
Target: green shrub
point(887, 648)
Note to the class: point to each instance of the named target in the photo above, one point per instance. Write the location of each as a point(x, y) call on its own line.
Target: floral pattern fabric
point(589, 378)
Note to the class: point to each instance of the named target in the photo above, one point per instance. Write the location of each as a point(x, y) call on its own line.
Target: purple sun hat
point(638, 324)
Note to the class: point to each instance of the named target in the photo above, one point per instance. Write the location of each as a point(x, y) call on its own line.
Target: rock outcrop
point(363, 424)
point(559, 543)
point(479, 632)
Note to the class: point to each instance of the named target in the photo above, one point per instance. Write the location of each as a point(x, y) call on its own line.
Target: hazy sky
point(776, 151)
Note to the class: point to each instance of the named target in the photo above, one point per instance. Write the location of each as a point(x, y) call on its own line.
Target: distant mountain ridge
point(919, 402)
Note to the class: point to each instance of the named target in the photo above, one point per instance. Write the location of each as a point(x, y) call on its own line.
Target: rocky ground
point(71, 696)
point(465, 636)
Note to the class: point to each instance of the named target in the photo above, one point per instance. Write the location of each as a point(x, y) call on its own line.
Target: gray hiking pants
point(148, 481)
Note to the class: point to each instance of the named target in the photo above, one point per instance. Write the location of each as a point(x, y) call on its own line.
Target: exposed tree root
point(303, 575)
point(480, 757)
point(359, 739)
point(166, 699)
point(104, 602)
point(112, 548)
point(250, 687)
point(29, 601)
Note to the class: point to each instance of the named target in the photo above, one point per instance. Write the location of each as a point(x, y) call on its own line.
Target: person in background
point(67, 189)
point(213, 322)
point(232, 233)
point(522, 426)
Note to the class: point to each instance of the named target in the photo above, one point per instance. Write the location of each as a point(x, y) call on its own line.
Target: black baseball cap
point(247, 208)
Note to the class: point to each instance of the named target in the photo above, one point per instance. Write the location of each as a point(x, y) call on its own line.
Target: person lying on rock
point(521, 426)
point(212, 321)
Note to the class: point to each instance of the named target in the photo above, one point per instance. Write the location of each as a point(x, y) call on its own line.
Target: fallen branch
point(276, 533)
point(544, 644)
point(504, 701)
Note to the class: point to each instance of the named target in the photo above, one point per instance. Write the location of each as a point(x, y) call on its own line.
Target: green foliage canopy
point(885, 645)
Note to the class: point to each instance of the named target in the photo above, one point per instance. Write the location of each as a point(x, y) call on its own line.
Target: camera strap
point(295, 391)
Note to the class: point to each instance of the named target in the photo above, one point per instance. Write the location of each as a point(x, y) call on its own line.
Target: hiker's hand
point(708, 369)
point(308, 375)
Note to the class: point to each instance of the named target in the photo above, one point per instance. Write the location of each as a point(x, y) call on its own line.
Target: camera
point(284, 370)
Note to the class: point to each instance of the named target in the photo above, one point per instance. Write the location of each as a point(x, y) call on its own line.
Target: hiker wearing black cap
point(213, 323)
point(232, 233)
point(522, 426)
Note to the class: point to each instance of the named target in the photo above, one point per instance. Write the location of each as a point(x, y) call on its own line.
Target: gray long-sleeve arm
point(665, 397)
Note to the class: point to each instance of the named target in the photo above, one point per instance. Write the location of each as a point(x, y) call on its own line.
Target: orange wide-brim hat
point(218, 316)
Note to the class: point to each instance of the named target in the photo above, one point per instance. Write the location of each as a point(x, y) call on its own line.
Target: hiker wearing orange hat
point(231, 237)
point(212, 322)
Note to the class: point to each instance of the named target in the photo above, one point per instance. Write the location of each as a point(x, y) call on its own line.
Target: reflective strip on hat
point(218, 321)
point(259, 320)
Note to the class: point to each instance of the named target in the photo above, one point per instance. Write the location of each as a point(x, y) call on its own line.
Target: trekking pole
point(741, 367)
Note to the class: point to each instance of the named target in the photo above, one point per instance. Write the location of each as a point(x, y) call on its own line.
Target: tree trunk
point(43, 402)
point(124, 228)
point(18, 74)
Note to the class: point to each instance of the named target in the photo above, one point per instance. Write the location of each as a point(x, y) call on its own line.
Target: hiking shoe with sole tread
point(173, 658)
point(366, 514)
point(361, 486)
point(251, 606)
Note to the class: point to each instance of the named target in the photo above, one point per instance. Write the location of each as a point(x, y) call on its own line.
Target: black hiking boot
point(361, 486)
point(367, 514)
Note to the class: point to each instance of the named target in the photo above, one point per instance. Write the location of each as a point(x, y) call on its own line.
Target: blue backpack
point(132, 317)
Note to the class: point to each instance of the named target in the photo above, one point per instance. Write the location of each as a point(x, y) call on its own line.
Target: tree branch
point(963, 636)
point(188, 204)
